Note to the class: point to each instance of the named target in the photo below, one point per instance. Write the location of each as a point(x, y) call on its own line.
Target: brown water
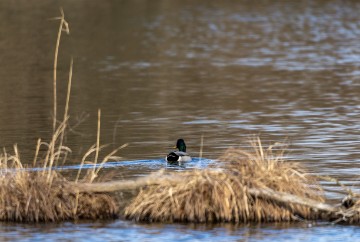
point(160, 70)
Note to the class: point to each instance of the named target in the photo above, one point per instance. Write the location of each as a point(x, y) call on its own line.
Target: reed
point(64, 26)
point(30, 197)
point(45, 195)
point(226, 194)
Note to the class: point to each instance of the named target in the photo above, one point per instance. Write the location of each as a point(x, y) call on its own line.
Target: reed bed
point(224, 194)
point(43, 194)
point(30, 197)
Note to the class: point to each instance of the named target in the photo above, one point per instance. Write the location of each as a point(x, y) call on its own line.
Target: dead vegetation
point(226, 194)
point(30, 197)
point(41, 195)
point(44, 195)
point(255, 186)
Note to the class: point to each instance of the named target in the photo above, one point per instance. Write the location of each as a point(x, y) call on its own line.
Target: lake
point(287, 71)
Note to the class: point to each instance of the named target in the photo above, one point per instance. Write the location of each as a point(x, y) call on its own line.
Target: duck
point(178, 156)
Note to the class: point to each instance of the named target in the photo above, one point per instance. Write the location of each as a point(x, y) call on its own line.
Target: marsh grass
point(30, 197)
point(222, 194)
point(44, 194)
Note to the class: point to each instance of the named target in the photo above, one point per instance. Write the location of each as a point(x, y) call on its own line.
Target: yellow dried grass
point(222, 195)
point(44, 195)
point(29, 197)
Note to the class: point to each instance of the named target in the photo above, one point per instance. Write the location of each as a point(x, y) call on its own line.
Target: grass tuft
point(222, 194)
point(30, 195)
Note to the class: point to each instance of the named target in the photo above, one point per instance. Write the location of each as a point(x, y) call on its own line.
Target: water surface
point(160, 70)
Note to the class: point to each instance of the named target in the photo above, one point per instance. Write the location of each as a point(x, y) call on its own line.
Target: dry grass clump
point(30, 197)
point(227, 194)
point(27, 195)
point(267, 168)
point(44, 195)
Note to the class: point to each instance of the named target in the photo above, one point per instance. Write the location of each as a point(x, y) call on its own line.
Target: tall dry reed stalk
point(64, 26)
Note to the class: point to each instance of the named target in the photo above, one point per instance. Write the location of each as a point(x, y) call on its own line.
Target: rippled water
point(128, 231)
point(160, 70)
